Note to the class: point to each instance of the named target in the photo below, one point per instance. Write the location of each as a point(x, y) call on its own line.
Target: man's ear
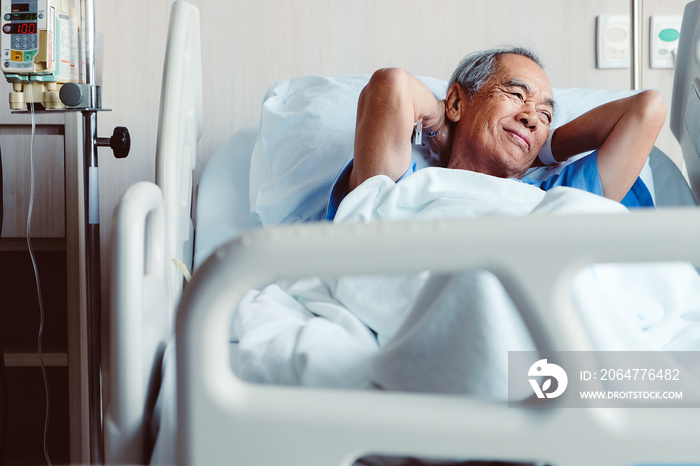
point(454, 101)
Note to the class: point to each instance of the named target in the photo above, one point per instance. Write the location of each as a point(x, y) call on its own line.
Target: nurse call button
point(669, 35)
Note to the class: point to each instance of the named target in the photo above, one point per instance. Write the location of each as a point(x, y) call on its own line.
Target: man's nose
point(528, 116)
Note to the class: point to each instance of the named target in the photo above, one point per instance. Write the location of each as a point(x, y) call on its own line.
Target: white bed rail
point(223, 420)
point(154, 222)
point(140, 322)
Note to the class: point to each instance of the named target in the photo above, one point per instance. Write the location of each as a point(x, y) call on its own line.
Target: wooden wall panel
point(15, 137)
point(48, 217)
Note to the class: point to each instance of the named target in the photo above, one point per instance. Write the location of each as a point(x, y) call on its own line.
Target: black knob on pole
point(120, 142)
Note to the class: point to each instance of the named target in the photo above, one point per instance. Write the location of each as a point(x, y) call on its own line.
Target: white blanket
point(448, 334)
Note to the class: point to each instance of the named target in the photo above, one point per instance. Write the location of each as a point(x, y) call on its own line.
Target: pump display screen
point(20, 7)
point(19, 28)
point(21, 17)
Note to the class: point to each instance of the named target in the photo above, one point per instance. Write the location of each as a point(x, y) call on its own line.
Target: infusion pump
point(39, 46)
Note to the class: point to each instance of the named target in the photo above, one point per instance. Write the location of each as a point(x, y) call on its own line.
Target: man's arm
point(389, 106)
point(625, 130)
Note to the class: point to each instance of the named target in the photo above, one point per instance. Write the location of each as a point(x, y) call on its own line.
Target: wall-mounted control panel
point(613, 41)
point(664, 32)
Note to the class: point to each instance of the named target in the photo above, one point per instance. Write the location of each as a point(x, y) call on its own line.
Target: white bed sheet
point(315, 332)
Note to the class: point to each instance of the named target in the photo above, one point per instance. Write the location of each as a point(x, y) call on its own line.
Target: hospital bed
point(247, 238)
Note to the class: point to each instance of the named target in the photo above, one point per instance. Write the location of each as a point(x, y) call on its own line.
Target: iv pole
point(120, 143)
point(92, 237)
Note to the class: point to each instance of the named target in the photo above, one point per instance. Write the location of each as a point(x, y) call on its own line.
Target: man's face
point(501, 129)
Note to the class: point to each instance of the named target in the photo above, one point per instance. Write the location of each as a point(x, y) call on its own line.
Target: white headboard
point(685, 105)
point(179, 131)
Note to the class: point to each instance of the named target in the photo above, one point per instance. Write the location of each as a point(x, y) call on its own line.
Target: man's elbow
point(389, 78)
point(652, 108)
point(386, 84)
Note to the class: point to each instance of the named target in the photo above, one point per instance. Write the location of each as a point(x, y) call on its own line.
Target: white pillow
point(307, 129)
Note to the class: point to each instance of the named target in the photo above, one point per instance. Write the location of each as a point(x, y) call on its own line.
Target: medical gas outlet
point(664, 32)
point(39, 46)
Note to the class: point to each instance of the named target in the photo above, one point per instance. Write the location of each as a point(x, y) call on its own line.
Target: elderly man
point(496, 120)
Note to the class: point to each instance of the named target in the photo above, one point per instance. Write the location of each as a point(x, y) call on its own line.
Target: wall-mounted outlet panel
point(664, 32)
point(613, 41)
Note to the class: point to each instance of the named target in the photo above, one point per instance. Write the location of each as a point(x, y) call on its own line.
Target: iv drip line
point(36, 277)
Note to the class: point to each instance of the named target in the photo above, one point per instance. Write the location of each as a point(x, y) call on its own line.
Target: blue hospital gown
point(581, 174)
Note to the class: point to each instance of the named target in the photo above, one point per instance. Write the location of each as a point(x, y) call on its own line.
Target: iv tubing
point(36, 275)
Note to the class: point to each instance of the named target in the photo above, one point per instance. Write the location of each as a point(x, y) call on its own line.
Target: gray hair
point(477, 68)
